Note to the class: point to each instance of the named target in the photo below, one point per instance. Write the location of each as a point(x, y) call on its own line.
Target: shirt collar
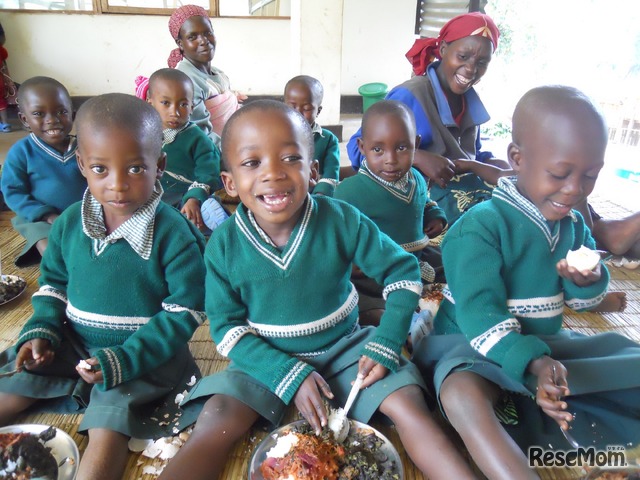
point(137, 231)
point(170, 134)
point(316, 128)
point(475, 107)
point(401, 184)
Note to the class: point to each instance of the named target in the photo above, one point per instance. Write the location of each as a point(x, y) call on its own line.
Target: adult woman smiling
point(448, 112)
point(214, 101)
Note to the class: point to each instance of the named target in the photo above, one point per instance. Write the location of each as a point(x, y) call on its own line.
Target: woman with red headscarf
point(448, 113)
point(214, 101)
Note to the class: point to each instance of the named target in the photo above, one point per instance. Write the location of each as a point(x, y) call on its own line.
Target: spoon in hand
point(338, 421)
point(572, 441)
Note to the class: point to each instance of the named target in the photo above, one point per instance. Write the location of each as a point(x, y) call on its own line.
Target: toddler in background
point(392, 193)
point(193, 160)
point(304, 94)
point(122, 287)
point(281, 306)
point(505, 371)
point(40, 176)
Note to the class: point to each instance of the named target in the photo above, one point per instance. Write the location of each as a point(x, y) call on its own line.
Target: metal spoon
point(340, 433)
point(572, 441)
point(27, 363)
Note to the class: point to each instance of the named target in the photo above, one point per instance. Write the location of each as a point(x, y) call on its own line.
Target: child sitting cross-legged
point(392, 193)
point(40, 176)
point(283, 310)
point(304, 94)
point(121, 287)
point(193, 160)
point(506, 373)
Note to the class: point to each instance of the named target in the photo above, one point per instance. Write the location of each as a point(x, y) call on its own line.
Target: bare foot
point(613, 302)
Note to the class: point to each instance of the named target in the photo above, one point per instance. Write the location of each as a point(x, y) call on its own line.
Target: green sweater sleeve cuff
point(198, 193)
point(289, 378)
point(522, 352)
point(433, 212)
point(383, 351)
point(39, 330)
point(114, 369)
point(325, 188)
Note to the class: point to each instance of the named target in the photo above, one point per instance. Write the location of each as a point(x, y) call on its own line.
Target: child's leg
point(468, 401)
point(423, 439)
point(11, 405)
point(105, 457)
point(222, 422)
point(41, 245)
point(620, 237)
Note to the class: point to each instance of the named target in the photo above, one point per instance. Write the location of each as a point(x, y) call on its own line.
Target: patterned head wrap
point(426, 50)
point(142, 87)
point(177, 19)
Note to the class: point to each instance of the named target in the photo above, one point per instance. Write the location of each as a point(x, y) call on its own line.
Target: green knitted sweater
point(136, 312)
point(193, 167)
point(504, 289)
point(270, 309)
point(400, 214)
point(327, 151)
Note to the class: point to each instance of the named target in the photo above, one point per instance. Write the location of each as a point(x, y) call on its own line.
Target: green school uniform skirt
point(603, 376)
point(338, 366)
point(33, 232)
point(143, 408)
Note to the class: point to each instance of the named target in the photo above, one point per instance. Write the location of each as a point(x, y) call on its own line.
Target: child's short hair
point(37, 81)
point(126, 112)
point(169, 74)
point(558, 100)
point(266, 105)
point(313, 84)
point(384, 107)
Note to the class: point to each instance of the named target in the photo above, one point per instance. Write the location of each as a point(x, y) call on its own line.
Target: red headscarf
point(178, 17)
point(426, 50)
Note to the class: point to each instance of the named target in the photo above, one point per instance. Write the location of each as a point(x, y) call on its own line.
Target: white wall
point(93, 54)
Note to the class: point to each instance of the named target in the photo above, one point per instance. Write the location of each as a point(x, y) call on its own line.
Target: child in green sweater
point(283, 310)
point(392, 193)
point(506, 373)
point(304, 94)
point(121, 287)
point(193, 160)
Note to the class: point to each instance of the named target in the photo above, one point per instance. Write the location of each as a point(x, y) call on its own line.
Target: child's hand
point(36, 353)
point(434, 227)
point(241, 97)
point(93, 376)
point(552, 386)
point(371, 370)
point(464, 165)
point(580, 278)
point(51, 218)
point(309, 401)
point(191, 210)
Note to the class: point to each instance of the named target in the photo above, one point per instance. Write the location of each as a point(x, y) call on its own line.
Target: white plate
point(260, 453)
point(62, 446)
point(4, 279)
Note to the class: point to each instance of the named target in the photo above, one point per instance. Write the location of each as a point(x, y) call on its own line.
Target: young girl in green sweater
point(121, 287)
point(283, 310)
point(392, 193)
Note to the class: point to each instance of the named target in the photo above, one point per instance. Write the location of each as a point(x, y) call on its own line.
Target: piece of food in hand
point(583, 259)
point(84, 365)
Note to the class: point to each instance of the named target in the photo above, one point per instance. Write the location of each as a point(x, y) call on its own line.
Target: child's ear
point(319, 110)
point(23, 120)
point(514, 155)
point(162, 164)
point(418, 140)
point(361, 146)
point(228, 183)
point(80, 162)
point(315, 175)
